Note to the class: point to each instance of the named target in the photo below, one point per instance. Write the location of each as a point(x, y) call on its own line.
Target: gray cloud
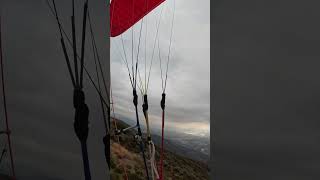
point(188, 76)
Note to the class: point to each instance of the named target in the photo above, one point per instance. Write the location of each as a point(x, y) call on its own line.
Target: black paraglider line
point(134, 84)
point(55, 13)
point(162, 102)
point(147, 84)
point(135, 94)
point(70, 71)
point(5, 108)
point(97, 60)
point(124, 59)
point(169, 53)
point(140, 85)
point(123, 48)
point(98, 79)
point(106, 124)
point(137, 61)
point(84, 67)
point(74, 45)
point(144, 94)
point(132, 40)
point(161, 75)
point(125, 55)
point(84, 23)
point(137, 70)
point(153, 49)
point(77, 86)
point(79, 83)
point(145, 49)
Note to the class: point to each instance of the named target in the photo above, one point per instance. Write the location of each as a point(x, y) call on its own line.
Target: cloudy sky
point(188, 86)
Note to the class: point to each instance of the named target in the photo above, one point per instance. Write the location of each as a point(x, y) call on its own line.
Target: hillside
point(127, 154)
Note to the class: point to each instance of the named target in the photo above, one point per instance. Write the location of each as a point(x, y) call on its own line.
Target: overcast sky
point(188, 86)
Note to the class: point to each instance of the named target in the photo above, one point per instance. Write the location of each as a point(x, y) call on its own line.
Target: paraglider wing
point(125, 13)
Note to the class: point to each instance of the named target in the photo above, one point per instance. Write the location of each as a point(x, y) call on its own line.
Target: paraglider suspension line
point(162, 104)
point(5, 108)
point(85, 160)
point(135, 102)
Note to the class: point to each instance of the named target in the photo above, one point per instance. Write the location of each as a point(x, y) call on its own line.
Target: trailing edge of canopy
point(125, 13)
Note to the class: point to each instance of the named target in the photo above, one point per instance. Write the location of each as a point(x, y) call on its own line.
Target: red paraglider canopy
point(125, 13)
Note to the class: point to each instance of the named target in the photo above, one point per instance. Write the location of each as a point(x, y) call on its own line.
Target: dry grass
point(127, 154)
